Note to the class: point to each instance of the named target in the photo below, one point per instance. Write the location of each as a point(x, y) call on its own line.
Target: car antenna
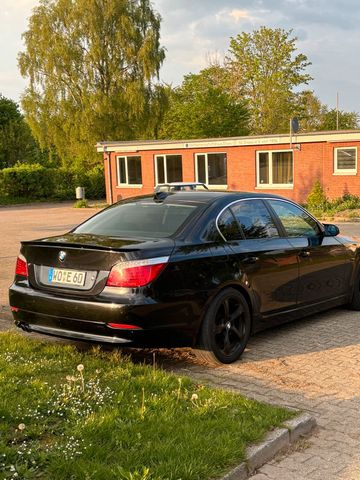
point(160, 196)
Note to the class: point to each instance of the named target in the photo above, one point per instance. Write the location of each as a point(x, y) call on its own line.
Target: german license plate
point(66, 277)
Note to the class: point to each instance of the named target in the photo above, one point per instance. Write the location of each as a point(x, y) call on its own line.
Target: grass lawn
point(71, 415)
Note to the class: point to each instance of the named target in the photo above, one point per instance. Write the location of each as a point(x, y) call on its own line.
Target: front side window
point(168, 168)
point(211, 168)
point(345, 161)
point(255, 219)
point(296, 222)
point(275, 169)
point(129, 170)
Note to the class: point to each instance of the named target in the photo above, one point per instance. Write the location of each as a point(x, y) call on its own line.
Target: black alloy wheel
point(226, 328)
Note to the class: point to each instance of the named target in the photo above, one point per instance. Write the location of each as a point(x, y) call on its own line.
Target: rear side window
point(155, 220)
point(254, 219)
point(228, 226)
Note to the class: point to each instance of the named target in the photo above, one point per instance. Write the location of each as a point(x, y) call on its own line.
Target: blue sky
point(195, 30)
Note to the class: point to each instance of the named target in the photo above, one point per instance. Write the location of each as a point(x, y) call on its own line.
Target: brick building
point(274, 164)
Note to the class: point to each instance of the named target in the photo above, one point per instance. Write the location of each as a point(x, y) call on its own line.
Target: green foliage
point(96, 82)
point(346, 120)
point(202, 108)
point(70, 414)
point(38, 182)
point(81, 204)
point(264, 70)
point(314, 116)
point(319, 205)
point(16, 141)
point(347, 202)
point(26, 180)
point(316, 200)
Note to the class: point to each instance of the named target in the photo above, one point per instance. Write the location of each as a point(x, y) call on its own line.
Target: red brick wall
point(314, 161)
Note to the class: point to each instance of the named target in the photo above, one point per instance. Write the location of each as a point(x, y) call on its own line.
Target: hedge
point(39, 182)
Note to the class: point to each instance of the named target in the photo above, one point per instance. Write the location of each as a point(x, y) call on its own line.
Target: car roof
point(212, 196)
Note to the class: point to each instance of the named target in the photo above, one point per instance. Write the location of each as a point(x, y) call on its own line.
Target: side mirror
point(331, 230)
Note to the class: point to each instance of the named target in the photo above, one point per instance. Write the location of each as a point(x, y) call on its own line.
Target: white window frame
point(271, 185)
point(219, 187)
point(344, 171)
point(165, 155)
point(127, 184)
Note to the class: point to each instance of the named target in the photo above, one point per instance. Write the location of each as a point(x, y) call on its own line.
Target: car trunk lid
point(79, 264)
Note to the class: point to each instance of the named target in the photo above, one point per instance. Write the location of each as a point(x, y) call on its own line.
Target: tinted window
point(254, 219)
point(211, 168)
point(297, 223)
point(160, 169)
point(228, 226)
point(264, 167)
point(217, 168)
point(138, 219)
point(134, 170)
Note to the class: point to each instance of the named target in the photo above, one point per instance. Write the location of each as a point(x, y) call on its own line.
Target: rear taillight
point(136, 273)
point(21, 266)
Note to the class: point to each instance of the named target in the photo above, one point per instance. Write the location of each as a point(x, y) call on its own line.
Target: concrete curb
point(275, 442)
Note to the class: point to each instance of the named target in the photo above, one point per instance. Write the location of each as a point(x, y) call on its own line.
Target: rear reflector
point(14, 309)
point(21, 266)
point(123, 326)
point(136, 273)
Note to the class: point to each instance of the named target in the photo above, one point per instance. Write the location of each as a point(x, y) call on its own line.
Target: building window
point(345, 161)
point(168, 168)
point(211, 168)
point(274, 169)
point(129, 171)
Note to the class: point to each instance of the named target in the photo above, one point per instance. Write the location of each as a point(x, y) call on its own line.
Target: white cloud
point(238, 15)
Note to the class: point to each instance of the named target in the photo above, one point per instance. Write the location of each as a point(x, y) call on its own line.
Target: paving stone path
point(312, 365)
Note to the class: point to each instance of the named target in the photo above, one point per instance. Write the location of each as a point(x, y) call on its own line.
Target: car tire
point(225, 329)
point(355, 301)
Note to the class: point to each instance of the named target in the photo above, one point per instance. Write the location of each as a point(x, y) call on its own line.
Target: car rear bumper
point(145, 323)
point(72, 334)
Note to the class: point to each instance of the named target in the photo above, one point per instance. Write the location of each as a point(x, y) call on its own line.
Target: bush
point(27, 180)
point(316, 200)
point(37, 182)
point(81, 204)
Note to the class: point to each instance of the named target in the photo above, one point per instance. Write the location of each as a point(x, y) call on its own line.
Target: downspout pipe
point(110, 175)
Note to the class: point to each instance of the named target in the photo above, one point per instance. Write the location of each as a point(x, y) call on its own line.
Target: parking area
point(312, 365)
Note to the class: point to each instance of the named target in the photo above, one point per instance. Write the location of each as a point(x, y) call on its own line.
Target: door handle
point(250, 259)
point(304, 253)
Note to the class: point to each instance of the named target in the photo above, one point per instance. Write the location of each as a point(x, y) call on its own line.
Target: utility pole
point(337, 110)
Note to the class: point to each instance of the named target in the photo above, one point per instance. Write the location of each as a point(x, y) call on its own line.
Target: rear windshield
point(156, 220)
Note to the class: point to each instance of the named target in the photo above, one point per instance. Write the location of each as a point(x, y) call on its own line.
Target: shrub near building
point(35, 181)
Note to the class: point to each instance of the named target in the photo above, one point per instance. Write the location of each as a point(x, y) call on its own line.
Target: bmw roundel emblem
point(62, 256)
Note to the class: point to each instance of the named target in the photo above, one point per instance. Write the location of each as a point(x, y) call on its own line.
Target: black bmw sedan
point(205, 269)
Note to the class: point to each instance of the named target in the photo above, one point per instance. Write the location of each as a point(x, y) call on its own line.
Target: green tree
point(264, 70)
point(315, 116)
point(202, 108)
point(17, 144)
point(347, 120)
point(309, 111)
point(92, 67)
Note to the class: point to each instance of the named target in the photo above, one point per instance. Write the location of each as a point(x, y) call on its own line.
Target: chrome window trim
point(263, 198)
